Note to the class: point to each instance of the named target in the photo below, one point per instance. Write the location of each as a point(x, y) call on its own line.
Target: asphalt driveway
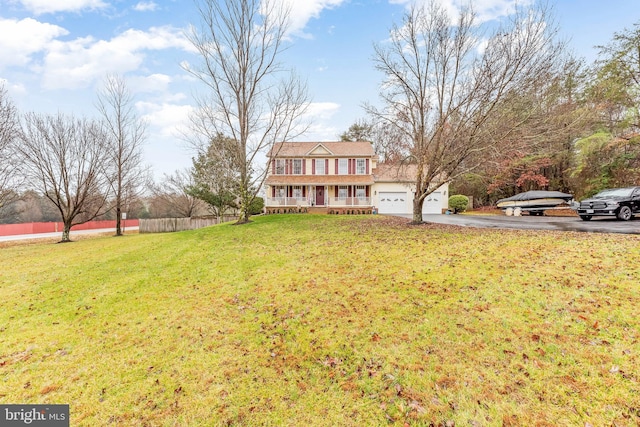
point(596, 225)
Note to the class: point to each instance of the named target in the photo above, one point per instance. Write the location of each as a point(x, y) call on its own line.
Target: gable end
point(319, 150)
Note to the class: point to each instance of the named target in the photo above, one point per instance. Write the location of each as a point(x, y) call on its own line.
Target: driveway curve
point(596, 225)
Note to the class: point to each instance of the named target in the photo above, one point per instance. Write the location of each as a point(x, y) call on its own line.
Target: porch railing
point(350, 201)
point(304, 202)
point(287, 201)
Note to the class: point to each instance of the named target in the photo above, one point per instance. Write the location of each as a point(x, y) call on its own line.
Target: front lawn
point(326, 321)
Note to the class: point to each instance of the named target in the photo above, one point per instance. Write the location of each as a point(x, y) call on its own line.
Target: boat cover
point(537, 194)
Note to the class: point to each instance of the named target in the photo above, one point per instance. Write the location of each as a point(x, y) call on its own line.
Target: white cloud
point(145, 6)
point(303, 11)
point(319, 116)
point(482, 45)
point(39, 7)
point(322, 110)
point(151, 83)
point(13, 88)
point(19, 40)
point(77, 63)
point(165, 148)
point(486, 10)
point(164, 118)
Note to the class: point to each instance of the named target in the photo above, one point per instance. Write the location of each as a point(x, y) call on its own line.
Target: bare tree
point(64, 158)
point(174, 196)
point(9, 127)
point(389, 143)
point(445, 81)
point(127, 133)
point(239, 43)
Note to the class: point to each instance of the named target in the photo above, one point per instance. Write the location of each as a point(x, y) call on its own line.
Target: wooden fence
point(167, 225)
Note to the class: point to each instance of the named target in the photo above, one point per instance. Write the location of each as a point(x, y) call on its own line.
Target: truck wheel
point(624, 213)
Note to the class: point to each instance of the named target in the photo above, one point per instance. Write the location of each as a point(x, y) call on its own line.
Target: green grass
point(328, 321)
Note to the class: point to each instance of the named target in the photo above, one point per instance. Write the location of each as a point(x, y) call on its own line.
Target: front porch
point(306, 196)
point(318, 198)
point(284, 202)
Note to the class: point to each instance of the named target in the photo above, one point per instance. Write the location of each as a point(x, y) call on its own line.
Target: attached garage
point(433, 203)
point(392, 192)
point(396, 202)
point(393, 202)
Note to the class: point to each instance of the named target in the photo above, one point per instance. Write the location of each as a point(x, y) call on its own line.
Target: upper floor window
point(297, 166)
point(361, 166)
point(279, 167)
point(320, 167)
point(343, 166)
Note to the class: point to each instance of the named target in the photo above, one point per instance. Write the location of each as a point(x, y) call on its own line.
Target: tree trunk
point(245, 198)
point(118, 220)
point(417, 209)
point(243, 218)
point(66, 233)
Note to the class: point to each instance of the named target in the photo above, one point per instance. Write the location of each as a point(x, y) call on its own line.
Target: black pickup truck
point(623, 203)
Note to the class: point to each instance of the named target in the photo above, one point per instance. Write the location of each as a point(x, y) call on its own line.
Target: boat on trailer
point(535, 202)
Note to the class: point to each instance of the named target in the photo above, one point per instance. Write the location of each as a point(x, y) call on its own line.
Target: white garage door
point(393, 202)
point(433, 203)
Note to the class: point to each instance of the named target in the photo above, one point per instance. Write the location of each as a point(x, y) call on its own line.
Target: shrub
point(256, 206)
point(458, 203)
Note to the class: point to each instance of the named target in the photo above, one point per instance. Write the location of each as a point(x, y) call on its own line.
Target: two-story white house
point(340, 176)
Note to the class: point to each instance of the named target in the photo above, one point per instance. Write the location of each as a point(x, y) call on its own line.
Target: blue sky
point(55, 53)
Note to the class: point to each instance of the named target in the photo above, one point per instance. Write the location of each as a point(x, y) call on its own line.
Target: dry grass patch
point(326, 320)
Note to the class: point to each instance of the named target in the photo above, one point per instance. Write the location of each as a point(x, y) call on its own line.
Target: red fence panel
point(44, 227)
point(54, 227)
point(13, 229)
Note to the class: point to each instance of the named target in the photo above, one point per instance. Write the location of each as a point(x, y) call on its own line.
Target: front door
point(320, 196)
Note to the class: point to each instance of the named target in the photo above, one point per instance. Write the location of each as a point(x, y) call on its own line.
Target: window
point(281, 192)
point(361, 166)
point(297, 192)
point(361, 193)
point(342, 192)
point(320, 167)
point(279, 166)
point(343, 166)
point(297, 166)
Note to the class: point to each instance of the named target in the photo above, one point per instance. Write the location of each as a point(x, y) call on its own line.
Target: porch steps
point(318, 210)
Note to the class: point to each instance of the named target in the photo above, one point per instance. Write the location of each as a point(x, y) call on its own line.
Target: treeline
point(572, 127)
point(31, 206)
point(584, 138)
point(78, 169)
